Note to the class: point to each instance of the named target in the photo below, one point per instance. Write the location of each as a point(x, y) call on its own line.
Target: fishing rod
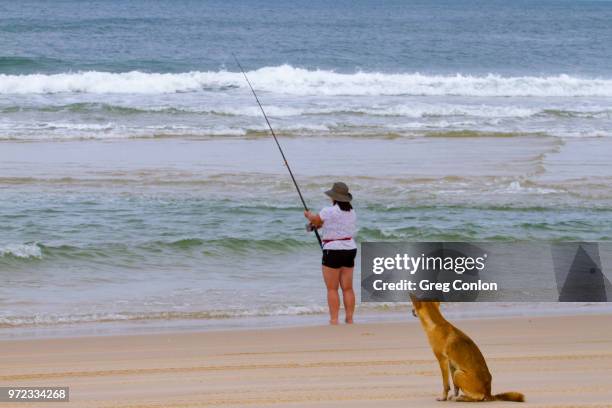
point(280, 149)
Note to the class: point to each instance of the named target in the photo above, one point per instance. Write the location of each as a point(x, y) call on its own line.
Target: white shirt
point(338, 224)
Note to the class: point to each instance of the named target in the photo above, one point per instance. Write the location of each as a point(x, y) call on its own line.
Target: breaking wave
point(22, 251)
point(286, 79)
point(412, 110)
point(19, 253)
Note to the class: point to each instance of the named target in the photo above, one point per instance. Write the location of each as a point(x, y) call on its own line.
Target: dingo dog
point(458, 355)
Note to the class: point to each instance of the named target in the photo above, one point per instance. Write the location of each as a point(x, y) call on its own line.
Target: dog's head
point(418, 305)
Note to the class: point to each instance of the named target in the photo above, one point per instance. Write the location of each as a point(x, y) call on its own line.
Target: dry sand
point(555, 361)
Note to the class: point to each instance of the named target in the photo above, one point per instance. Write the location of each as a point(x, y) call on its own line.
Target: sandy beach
point(153, 246)
point(555, 361)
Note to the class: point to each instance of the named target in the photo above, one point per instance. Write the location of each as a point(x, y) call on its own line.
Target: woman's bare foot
point(349, 320)
point(333, 322)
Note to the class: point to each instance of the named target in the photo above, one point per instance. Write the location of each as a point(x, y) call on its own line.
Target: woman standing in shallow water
point(337, 225)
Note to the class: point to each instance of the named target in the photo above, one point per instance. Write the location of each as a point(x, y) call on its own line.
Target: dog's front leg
point(452, 375)
point(443, 361)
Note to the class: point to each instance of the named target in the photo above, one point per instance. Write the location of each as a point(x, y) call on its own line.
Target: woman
point(337, 224)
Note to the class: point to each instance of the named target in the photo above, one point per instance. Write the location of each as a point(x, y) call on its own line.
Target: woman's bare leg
point(348, 294)
point(331, 276)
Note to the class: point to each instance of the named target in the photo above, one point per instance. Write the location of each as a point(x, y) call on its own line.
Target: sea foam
point(286, 79)
point(30, 250)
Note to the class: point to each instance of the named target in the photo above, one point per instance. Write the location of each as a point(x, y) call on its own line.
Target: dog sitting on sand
point(458, 355)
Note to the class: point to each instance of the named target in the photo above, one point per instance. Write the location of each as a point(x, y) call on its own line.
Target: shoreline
point(396, 313)
point(557, 361)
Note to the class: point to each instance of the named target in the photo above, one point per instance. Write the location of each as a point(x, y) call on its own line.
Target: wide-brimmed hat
point(340, 192)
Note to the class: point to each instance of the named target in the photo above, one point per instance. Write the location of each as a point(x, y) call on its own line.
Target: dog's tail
point(510, 396)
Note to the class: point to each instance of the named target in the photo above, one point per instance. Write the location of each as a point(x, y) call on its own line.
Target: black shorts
point(338, 258)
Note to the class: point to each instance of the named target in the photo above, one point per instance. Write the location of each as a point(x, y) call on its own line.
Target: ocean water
point(138, 182)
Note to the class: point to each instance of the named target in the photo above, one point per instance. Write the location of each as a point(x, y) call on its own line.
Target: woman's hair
point(344, 205)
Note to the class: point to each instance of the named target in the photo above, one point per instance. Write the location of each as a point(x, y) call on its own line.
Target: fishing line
point(280, 149)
